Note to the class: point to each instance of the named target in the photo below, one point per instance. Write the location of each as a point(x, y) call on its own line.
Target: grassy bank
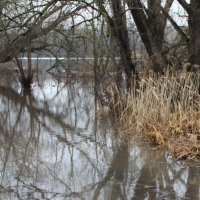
point(164, 110)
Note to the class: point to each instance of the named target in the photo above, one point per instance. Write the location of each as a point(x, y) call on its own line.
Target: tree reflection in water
point(54, 147)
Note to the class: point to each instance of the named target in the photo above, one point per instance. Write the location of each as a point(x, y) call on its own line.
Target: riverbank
point(165, 111)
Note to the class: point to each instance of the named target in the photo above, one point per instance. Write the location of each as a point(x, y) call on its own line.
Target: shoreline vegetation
point(164, 110)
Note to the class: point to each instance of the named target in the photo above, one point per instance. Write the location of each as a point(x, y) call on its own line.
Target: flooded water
point(54, 146)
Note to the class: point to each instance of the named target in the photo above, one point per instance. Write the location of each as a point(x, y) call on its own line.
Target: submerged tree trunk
point(25, 74)
point(26, 79)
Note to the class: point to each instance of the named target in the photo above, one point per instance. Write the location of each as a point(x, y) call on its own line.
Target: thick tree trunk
point(156, 21)
point(193, 11)
point(194, 30)
point(151, 27)
point(118, 29)
point(123, 40)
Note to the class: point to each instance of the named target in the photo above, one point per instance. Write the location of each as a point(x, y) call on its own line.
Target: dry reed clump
point(166, 110)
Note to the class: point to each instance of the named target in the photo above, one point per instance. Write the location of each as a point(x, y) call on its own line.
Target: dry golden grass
point(166, 110)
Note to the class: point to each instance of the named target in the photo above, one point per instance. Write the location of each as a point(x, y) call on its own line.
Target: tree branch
point(175, 25)
point(168, 5)
point(185, 5)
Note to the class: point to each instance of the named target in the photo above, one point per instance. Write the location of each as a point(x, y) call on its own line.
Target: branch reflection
point(53, 146)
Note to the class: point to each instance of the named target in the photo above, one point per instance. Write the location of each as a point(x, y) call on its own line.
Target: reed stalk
point(166, 110)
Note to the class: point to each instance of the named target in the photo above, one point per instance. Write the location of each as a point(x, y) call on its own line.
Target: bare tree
point(23, 22)
point(118, 30)
point(151, 24)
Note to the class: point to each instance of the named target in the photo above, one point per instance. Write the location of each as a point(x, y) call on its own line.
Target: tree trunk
point(193, 11)
point(194, 30)
point(151, 24)
point(119, 17)
point(118, 29)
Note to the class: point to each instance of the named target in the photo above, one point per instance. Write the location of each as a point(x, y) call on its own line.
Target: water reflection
point(54, 147)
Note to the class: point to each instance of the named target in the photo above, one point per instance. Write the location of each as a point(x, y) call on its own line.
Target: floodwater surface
point(55, 145)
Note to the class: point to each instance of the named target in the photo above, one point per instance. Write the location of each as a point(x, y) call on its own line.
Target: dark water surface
point(53, 146)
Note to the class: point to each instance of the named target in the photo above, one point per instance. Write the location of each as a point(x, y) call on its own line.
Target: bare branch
point(175, 25)
point(185, 5)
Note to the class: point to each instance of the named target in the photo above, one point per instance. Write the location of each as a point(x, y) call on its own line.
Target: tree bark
point(193, 11)
point(194, 30)
point(119, 17)
point(151, 23)
point(118, 29)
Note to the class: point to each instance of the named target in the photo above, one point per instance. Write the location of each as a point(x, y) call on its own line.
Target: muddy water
point(54, 146)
